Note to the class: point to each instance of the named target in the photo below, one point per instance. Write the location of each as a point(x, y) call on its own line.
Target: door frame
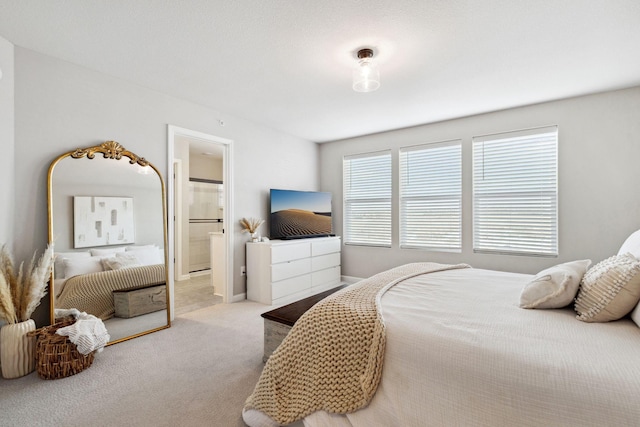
point(177, 222)
point(227, 173)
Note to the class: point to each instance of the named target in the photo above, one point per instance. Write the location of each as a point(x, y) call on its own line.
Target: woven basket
point(56, 356)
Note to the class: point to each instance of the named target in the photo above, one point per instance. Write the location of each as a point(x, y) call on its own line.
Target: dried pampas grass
point(21, 293)
point(250, 225)
point(7, 312)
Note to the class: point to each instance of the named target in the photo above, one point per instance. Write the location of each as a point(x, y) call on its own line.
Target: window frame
point(384, 228)
point(532, 135)
point(404, 222)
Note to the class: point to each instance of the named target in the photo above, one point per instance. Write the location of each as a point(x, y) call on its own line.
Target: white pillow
point(148, 256)
point(635, 315)
point(58, 263)
point(106, 251)
point(139, 247)
point(609, 290)
point(77, 266)
point(555, 287)
point(631, 245)
point(58, 286)
point(120, 261)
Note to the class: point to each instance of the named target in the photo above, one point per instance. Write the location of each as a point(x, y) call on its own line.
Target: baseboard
point(199, 273)
point(239, 297)
point(350, 280)
point(183, 277)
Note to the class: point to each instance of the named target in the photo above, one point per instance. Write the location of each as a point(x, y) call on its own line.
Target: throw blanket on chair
point(332, 358)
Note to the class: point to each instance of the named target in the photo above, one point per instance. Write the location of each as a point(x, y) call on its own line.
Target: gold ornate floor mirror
point(108, 221)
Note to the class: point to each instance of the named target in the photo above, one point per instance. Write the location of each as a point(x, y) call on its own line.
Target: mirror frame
point(110, 150)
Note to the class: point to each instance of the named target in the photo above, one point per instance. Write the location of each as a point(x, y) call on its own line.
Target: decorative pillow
point(609, 290)
point(555, 287)
point(106, 251)
point(148, 256)
point(631, 245)
point(120, 261)
point(635, 315)
point(58, 263)
point(139, 247)
point(77, 266)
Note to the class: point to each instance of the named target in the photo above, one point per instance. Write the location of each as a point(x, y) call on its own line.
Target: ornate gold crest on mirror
point(107, 217)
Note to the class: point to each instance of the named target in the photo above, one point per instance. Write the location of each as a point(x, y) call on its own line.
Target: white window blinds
point(515, 187)
point(431, 196)
point(367, 199)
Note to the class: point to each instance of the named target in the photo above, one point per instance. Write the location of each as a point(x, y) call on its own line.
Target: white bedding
point(460, 352)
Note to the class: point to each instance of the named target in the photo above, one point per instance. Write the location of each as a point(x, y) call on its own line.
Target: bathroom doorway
point(199, 202)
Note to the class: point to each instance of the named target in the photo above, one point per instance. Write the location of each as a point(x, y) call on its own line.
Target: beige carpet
point(196, 373)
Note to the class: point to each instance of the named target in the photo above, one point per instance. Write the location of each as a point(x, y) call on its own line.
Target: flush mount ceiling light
point(366, 76)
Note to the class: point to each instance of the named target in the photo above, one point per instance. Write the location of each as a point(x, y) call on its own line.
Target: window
point(367, 199)
point(515, 192)
point(431, 196)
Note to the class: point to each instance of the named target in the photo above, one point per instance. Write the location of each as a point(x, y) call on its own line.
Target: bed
point(460, 350)
point(93, 292)
point(86, 279)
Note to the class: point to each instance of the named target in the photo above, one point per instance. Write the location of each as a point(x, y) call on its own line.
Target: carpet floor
point(196, 373)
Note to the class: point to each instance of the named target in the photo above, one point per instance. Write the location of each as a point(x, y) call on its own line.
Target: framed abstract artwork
point(102, 221)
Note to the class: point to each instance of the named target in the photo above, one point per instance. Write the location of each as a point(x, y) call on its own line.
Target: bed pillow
point(148, 256)
point(120, 261)
point(106, 251)
point(609, 290)
point(58, 263)
point(555, 287)
point(631, 245)
point(77, 266)
point(139, 247)
point(635, 314)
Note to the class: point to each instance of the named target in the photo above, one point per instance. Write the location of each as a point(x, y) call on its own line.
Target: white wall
point(60, 106)
point(599, 204)
point(6, 142)
point(205, 167)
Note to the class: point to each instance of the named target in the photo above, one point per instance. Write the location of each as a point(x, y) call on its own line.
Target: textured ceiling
point(287, 64)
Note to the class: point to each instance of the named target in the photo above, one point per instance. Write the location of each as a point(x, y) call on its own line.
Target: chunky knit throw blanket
point(93, 292)
point(332, 358)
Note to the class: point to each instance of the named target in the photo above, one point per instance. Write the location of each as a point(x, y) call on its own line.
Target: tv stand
point(283, 271)
point(306, 236)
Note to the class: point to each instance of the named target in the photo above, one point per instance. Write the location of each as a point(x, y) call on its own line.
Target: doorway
point(200, 207)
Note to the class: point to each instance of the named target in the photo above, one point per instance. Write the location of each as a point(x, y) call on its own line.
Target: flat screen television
point(299, 214)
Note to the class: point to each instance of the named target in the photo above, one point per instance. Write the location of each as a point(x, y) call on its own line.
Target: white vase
point(17, 349)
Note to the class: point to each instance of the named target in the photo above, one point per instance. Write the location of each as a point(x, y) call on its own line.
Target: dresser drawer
point(290, 286)
point(325, 261)
point(290, 252)
point(324, 277)
point(284, 270)
point(322, 247)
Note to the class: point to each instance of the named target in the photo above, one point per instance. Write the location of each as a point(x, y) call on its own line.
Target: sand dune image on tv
point(298, 222)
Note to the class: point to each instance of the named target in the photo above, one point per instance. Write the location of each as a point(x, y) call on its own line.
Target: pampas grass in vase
point(21, 291)
point(250, 225)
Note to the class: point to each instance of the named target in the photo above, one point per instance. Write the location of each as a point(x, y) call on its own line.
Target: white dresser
point(283, 271)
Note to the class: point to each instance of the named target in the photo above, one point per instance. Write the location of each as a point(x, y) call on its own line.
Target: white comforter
point(460, 352)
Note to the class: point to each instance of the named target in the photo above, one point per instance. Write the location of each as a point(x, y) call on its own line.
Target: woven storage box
point(56, 356)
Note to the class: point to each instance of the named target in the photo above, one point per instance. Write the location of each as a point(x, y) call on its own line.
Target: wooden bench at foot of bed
point(140, 300)
point(278, 322)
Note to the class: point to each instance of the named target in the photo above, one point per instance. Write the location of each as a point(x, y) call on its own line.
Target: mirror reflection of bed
point(107, 222)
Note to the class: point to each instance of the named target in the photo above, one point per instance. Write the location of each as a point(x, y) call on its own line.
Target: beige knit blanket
point(332, 358)
point(93, 292)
